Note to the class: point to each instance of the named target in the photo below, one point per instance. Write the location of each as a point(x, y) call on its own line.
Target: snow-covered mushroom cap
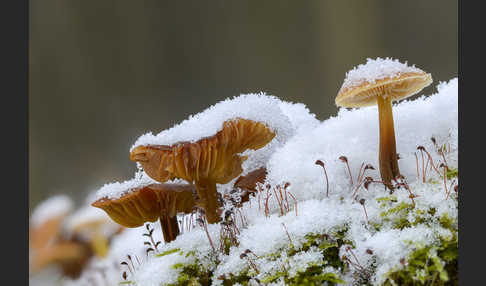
point(380, 82)
point(54, 207)
point(282, 118)
point(215, 158)
point(381, 77)
point(206, 162)
point(148, 203)
point(46, 220)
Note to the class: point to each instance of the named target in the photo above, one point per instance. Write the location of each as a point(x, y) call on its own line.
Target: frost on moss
point(427, 264)
point(326, 269)
point(431, 263)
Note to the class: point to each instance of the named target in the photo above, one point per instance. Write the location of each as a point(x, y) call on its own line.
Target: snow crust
point(375, 69)
point(55, 206)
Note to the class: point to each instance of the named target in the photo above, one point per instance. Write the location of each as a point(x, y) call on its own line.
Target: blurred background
point(103, 73)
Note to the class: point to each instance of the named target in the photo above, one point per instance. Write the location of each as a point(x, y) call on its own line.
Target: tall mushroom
point(206, 162)
point(380, 82)
point(149, 203)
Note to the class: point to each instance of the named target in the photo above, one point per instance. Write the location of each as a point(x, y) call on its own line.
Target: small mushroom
point(149, 203)
point(249, 182)
point(209, 161)
point(48, 246)
point(393, 81)
point(46, 220)
point(93, 227)
point(71, 255)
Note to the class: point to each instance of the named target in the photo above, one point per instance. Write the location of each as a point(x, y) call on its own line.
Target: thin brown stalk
point(416, 160)
point(295, 202)
point(288, 235)
point(450, 188)
point(320, 163)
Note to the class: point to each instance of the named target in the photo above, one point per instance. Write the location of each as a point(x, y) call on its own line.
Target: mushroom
point(70, 255)
point(46, 220)
point(149, 203)
point(46, 243)
point(380, 82)
point(209, 161)
point(249, 182)
point(93, 227)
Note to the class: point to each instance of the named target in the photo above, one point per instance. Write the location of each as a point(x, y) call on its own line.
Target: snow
point(256, 107)
point(280, 116)
point(53, 207)
point(159, 269)
point(351, 133)
point(355, 134)
point(376, 69)
point(116, 190)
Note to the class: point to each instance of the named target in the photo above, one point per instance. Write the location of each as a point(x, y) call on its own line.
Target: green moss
point(230, 279)
point(401, 207)
point(126, 283)
point(314, 274)
point(170, 251)
point(434, 264)
point(192, 274)
point(431, 264)
point(428, 265)
point(452, 173)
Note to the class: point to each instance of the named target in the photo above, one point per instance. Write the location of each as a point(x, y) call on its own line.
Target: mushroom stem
point(99, 243)
point(170, 228)
point(388, 154)
point(208, 200)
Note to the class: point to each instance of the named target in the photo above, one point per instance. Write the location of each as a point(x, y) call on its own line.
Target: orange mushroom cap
point(213, 158)
point(206, 162)
point(398, 87)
